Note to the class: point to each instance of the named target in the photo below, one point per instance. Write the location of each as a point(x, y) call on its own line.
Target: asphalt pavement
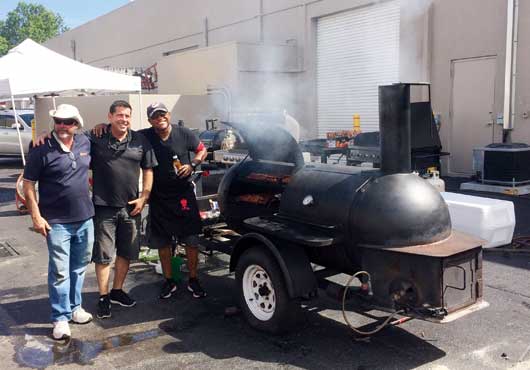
point(183, 332)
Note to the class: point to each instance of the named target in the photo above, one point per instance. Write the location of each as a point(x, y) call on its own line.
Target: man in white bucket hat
point(63, 214)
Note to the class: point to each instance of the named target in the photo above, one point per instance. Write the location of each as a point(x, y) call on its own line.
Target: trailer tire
point(262, 293)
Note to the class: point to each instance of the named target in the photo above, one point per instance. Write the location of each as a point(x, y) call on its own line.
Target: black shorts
point(174, 218)
point(160, 242)
point(116, 232)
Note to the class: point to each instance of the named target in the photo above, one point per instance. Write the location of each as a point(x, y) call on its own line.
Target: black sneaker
point(118, 296)
point(103, 307)
point(168, 289)
point(196, 289)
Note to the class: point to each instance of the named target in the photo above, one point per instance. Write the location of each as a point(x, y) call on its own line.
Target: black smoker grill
point(388, 222)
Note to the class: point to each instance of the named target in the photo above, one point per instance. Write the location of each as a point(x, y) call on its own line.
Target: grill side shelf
point(294, 232)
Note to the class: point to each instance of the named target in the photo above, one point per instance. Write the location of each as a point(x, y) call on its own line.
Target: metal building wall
point(472, 29)
point(141, 32)
point(522, 91)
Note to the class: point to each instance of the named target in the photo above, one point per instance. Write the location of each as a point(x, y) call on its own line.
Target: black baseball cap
point(156, 107)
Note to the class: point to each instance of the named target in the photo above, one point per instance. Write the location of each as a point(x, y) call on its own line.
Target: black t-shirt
point(64, 195)
point(116, 167)
point(180, 142)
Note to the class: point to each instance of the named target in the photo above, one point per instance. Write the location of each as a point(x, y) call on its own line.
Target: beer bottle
point(176, 163)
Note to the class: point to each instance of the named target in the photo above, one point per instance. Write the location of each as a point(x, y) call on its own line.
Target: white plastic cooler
point(490, 219)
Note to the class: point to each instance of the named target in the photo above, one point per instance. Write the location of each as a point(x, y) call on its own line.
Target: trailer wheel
point(262, 294)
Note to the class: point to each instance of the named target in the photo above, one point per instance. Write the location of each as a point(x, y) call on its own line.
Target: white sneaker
point(61, 330)
point(80, 316)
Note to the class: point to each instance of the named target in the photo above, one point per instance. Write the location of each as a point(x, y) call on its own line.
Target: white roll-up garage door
point(357, 51)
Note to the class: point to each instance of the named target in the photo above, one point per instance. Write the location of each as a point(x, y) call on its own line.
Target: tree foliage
point(4, 46)
point(29, 20)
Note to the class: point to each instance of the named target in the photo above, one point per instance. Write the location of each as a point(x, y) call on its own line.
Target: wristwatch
point(194, 165)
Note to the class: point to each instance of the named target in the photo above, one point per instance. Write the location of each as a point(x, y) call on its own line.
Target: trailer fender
point(292, 259)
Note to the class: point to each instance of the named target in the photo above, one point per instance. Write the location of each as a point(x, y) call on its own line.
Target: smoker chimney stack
point(394, 128)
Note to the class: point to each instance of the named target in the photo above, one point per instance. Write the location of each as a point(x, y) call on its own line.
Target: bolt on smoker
point(290, 216)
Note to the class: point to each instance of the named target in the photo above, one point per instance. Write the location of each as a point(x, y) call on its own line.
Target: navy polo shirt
point(63, 186)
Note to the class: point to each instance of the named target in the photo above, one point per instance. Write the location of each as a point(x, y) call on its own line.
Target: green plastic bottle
point(176, 274)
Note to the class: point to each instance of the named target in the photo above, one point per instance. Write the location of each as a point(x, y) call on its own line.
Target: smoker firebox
point(431, 281)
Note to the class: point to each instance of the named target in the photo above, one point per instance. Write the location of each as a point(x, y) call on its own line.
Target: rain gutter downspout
point(511, 69)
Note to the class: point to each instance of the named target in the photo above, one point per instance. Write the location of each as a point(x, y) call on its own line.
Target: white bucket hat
point(67, 111)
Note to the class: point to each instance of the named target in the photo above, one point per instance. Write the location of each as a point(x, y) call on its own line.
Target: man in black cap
point(173, 211)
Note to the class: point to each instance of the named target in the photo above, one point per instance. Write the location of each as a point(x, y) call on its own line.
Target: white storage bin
point(490, 219)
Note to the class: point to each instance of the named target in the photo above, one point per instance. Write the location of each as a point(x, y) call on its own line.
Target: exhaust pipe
point(394, 128)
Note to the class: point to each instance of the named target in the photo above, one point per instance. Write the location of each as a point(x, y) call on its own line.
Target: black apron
point(172, 215)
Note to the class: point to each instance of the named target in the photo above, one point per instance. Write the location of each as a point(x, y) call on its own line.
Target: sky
point(74, 12)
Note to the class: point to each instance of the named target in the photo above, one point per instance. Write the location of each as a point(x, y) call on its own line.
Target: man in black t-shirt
point(173, 210)
point(117, 158)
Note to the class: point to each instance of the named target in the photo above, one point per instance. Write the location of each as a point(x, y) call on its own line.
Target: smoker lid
point(269, 142)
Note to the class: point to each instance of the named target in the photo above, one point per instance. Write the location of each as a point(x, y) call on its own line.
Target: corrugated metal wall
point(357, 51)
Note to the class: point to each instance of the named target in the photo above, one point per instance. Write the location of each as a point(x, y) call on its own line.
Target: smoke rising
point(415, 50)
point(266, 89)
point(270, 78)
point(269, 141)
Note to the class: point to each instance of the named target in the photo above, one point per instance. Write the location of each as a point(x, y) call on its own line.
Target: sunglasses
point(74, 161)
point(65, 122)
point(159, 115)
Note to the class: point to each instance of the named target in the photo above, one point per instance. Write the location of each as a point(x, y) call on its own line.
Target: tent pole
point(17, 121)
point(50, 126)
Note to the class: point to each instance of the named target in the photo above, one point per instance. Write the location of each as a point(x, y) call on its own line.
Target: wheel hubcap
point(259, 292)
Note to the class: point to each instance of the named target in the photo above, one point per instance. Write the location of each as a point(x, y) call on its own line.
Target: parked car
point(9, 144)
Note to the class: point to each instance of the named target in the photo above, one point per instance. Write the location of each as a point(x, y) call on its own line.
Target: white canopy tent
point(31, 69)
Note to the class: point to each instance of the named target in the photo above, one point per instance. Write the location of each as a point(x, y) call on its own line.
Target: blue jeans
point(70, 250)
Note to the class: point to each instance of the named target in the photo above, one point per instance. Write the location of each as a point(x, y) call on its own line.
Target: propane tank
point(435, 180)
point(229, 140)
point(356, 124)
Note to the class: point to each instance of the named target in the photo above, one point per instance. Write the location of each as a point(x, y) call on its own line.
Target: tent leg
point(50, 126)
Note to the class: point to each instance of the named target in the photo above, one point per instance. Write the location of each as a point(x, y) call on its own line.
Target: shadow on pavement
point(518, 260)
point(201, 326)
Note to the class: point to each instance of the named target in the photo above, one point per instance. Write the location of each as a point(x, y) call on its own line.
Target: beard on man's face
point(64, 133)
